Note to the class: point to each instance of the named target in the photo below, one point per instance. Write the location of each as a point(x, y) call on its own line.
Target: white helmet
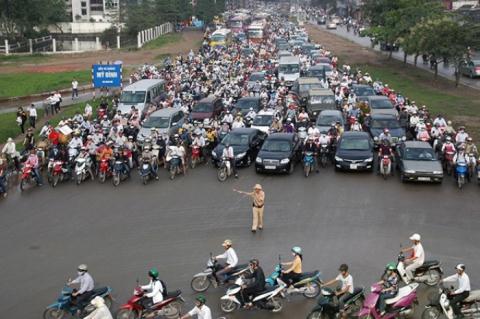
point(415, 237)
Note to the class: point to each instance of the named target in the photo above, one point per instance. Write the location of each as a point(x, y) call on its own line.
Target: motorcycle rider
point(471, 148)
point(3, 173)
point(251, 114)
point(231, 260)
point(86, 285)
point(418, 256)
point(293, 274)
point(148, 157)
point(448, 146)
point(238, 122)
point(460, 158)
point(10, 151)
point(288, 127)
point(33, 161)
point(230, 155)
point(276, 125)
point(200, 310)
point(346, 281)
point(154, 290)
point(256, 284)
point(101, 310)
point(228, 118)
point(311, 147)
point(384, 149)
point(356, 126)
point(463, 291)
point(423, 134)
point(461, 136)
point(390, 286)
point(385, 135)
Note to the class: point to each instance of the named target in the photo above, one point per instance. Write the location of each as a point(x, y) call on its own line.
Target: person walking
point(74, 89)
point(32, 115)
point(258, 198)
point(21, 118)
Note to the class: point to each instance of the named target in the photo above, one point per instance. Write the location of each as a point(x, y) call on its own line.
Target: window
point(84, 12)
point(83, 4)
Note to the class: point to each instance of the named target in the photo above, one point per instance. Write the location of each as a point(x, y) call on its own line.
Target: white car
point(264, 120)
point(331, 26)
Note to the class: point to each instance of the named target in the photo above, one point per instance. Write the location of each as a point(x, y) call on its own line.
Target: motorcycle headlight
point(285, 161)
point(338, 159)
point(258, 160)
point(241, 155)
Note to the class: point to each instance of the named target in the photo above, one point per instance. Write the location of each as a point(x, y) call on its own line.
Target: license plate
point(353, 166)
point(424, 179)
point(270, 167)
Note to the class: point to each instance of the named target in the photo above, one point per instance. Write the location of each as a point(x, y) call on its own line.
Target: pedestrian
point(74, 89)
point(46, 110)
point(58, 100)
point(21, 118)
point(52, 101)
point(258, 198)
point(32, 115)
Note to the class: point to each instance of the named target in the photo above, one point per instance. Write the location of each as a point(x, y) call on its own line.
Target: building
point(93, 10)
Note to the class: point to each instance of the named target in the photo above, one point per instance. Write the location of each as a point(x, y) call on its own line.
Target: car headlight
point(314, 113)
point(338, 159)
point(241, 155)
point(258, 160)
point(214, 154)
point(410, 171)
point(437, 173)
point(369, 159)
point(404, 138)
point(285, 161)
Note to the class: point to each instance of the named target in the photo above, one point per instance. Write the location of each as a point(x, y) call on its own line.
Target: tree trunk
point(415, 60)
point(390, 53)
point(405, 57)
point(436, 70)
point(457, 75)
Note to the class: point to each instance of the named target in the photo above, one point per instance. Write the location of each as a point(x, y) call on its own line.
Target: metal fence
point(42, 44)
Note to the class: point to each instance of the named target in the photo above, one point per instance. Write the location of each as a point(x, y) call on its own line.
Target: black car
point(363, 90)
point(279, 153)
point(244, 104)
point(354, 152)
point(246, 142)
point(378, 122)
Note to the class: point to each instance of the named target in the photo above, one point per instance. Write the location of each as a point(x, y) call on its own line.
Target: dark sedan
point(354, 152)
point(278, 154)
point(363, 90)
point(244, 104)
point(246, 142)
point(417, 161)
point(378, 122)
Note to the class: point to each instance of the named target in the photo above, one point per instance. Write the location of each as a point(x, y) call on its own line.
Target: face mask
point(79, 273)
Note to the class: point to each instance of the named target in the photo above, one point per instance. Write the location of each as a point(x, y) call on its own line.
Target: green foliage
point(163, 40)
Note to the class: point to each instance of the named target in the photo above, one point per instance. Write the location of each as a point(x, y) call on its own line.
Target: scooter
point(224, 170)
point(119, 172)
point(448, 162)
point(203, 280)
point(268, 299)
point(441, 304)
point(170, 307)
point(401, 305)
point(146, 170)
point(308, 285)
point(27, 177)
point(104, 170)
point(196, 156)
point(385, 166)
point(461, 170)
point(329, 308)
point(302, 134)
point(323, 155)
point(65, 304)
point(83, 169)
point(429, 273)
point(59, 172)
point(175, 166)
point(308, 163)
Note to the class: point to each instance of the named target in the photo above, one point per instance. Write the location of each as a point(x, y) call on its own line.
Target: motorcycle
point(302, 134)
point(119, 172)
point(196, 156)
point(385, 166)
point(472, 165)
point(308, 162)
point(175, 166)
point(170, 307)
point(65, 304)
point(402, 305)
point(470, 307)
point(146, 170)
point(329, 308)
point(128, 154)
point(429, 273)
point(202, 281)
point(323, 155)
point(308, 285)
point(224, 170)
point(448, 162)
point(59, 172)
point(27, 177)
point(104, 170)
point(268, 299)
point(83, 169)
point(461, 170)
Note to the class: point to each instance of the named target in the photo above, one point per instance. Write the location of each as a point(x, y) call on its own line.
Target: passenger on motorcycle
point(200, 310)
point(462, 292)
point(85, 286)
point(256, 284)
point(238, 122)
point(276, 126)
point(346, 288)
point(449, 130)
point(390, 286)
point(471, 148)
point(440, 121)
point(101, 310)
point(417, 258)
point(231, 260)
point(324, 139)
point(228, 153)
point(33, 161)
point(154, 290)
point(311, 147)
point(293, 274)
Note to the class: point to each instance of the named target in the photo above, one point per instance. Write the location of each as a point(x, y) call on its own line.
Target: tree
point(166, 11)
point(140, 17)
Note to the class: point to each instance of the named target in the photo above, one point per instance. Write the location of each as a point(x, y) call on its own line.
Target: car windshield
point(289, 68)
point(355, 144)
point(311, 86)
point(276, 146)
point(382, 104)
point(131, 97)
point(364, 91)
point(246, 104)
point(157, 122)
point(203, 108)
point(218, 38)
point(326, 120)
point(263, 120)
point(236, 24)
point(419, 154)
point(236, 139)
point(319, 99)
point(392, 124)
point(255, 33)
point(315, 73)
point(257, 77)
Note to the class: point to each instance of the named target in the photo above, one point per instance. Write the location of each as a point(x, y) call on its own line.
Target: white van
point(289, 69)
point(140, 94)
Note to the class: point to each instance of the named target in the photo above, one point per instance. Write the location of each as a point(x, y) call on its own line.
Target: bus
point(221, 37)
point(239, 23)
point(256, 32)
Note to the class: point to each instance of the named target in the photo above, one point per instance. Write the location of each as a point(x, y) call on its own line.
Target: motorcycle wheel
point(306, 170)
point(55, 180)
point(53, 313)
point(172, 173)
point(78, 179)
point(116, 180)
point(200, 284)
point(315, 315)
point(324, 161)
point(312, 290)
point(385, 173)
point(102, 177)
point(23, 183)
point(431, 313)
point(277, 304)
point(125, 314)
point(222, 175)
point(145, 179)
point(173, 310)
point(228, 306)
point(193, 163)
point(433, 277)
point(460, 181)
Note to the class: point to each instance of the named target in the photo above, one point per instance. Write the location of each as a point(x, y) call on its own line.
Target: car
point(336, 20)
point(363, 90)
point(166, 121)
point(303, 85)
point(322, 20)
point(208, 107)
point(244, 104)
point(283, 53)
point(246, 142)
point(331, 26)
point(254, 77)
point(416, 161)
point(307, 48)
point(381, 105)
point(354, 152)
point(264, 120)
point(247, 51)
point(470, 68)
point(320, 71)
point(319, 100)
point(279, 153)
point(378, 122)
point(326, 118)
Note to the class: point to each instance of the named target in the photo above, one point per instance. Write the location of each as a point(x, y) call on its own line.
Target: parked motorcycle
point(440, 304)
point(328, 307)
point(203, 280)
point(170, 307)
point(224, 170)
point(104, 170)
point(308, 163)
point(308, 285)
point(402, 305)
point(83, 169)
point(429, 273)
point(268, 299)
point(119, 172)
point(66, 304)
point(461, 170)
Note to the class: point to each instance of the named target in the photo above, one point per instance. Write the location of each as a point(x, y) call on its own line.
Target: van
point(206, 108)
point(221, 37)
point(289, 69)
point(166, 121)
point(140, 94)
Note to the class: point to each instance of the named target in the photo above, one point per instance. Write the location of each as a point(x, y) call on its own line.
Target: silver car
point(165, 121)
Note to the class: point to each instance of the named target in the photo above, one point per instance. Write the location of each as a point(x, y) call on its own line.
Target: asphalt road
point(358, 219)
point(446, 71)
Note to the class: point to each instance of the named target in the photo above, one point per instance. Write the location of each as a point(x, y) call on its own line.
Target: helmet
point(391, 266)
point(153, 129)
point(386, 130)
point(460, 267)
point(83, 268)
point(89, 137)
point(343, 267)
point(153, 273)
point(333, 124)
point(297, 250)
point(289, 119)
point(201, 299)
point(130, 137)
point(449, 138)
point(415, 237)
point(227, 242)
